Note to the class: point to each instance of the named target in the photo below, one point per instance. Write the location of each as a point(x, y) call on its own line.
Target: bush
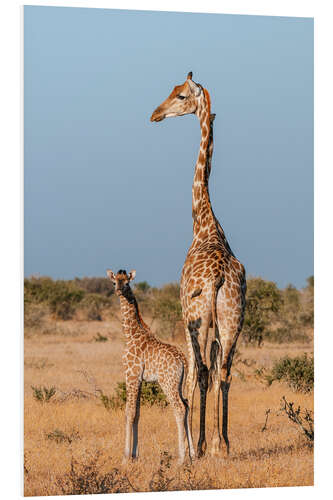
point(61, 437)
point(307, 314)
point(166, 307)
point(86, 478)
point(305, 422)
point(186, 478)
point(43, 395)
point(100, 338)
point(297, 372)
point(263, 299)
point(61, 296)
point(110, 402)
point(34, 315)
point(142, 286)
point(93, 305)
point(151, 394)
point(101, 286)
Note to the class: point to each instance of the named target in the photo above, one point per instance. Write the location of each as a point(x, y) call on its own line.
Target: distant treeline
point(272, 314)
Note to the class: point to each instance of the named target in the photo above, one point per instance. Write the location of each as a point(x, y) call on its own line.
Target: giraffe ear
point(110, 274)
point(195, 89)
point(132, 274)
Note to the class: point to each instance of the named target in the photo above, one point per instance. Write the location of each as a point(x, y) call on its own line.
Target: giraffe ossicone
point(213, 283)
point(147, 358)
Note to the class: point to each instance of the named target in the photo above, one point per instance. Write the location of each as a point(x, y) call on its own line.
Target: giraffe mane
point(207, 97)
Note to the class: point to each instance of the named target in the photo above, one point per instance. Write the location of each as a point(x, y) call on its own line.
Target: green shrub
point(60, 437)
point(151, 394)
point(100, 338)
point(95, 285)
point(166, 307)
point(263, 299)
point(307, 314)
point(93, 304)
point(62, 296)
point(86, 478)
point(43, 394)
point(291, 300)
point(34, 315)
point(142, 286)
point(297, 372)
point(37, 290)
point(110, 402)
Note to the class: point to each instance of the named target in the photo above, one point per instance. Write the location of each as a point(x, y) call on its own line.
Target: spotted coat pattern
point(147, 358)
point(213, 283)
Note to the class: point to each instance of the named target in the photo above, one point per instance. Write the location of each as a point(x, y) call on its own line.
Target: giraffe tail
point(182, 382)
point(215, 346)
point(214, 351)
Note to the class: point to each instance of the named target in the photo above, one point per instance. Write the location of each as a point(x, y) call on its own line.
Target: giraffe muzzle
point(157, 116)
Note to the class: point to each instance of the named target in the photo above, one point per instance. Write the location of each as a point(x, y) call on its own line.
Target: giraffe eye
point(181, 97)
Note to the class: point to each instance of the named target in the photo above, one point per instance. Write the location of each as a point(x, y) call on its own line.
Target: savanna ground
point(74, 441)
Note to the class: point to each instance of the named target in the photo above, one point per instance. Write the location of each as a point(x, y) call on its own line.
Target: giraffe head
point(183, 100)
point(121, 280)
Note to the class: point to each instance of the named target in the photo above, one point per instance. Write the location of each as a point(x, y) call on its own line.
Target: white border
point(12, 226)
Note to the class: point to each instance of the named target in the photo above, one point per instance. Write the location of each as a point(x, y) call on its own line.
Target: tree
point(142, 286)
point(263, 299)
point(166, 308)
point(307, 317)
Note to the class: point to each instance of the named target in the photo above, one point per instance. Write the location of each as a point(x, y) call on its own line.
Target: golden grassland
point(74, 426)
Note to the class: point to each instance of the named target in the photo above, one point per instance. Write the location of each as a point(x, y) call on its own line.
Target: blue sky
point(105, 188)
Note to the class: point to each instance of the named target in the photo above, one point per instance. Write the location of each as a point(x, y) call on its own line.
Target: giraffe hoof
point(216, 448)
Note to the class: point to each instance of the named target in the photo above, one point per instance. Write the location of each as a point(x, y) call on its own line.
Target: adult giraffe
point(213, 283)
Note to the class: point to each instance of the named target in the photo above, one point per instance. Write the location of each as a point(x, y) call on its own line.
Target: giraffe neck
point(133, 325)
point(202, 212)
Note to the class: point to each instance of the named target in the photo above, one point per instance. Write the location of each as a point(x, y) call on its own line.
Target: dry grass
point(75, 430)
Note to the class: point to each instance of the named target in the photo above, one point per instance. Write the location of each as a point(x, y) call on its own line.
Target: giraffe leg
point(135, 449)
point(132, 392)
point(203, 385)
point(188, 432)
point(173, 395)
point(229, 319)
point(193, 327)
point(186, 417)
point(215, 374)
point(180, 419)
point(225, 386)
point(191, 385)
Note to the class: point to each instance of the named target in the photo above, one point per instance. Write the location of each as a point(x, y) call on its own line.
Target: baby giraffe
point(147, 358)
